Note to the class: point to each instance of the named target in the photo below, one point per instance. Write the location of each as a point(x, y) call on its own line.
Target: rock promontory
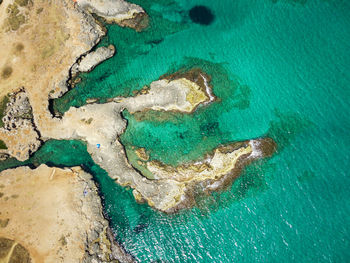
point(169, 189)
point(92, 59)
point(117, 11)
point(41, 64)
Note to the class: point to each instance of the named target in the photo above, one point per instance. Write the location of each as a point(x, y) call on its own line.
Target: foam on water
point(256, 152)
point(208, 90)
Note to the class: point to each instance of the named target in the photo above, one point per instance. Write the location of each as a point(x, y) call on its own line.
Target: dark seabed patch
point(201, 15)
point(174, 137)
point(252, 181)
point(286, 127)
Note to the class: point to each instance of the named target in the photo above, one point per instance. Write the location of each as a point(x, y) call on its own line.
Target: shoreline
point(73, 226)
point(181, 91)
point(101, 134)
point(215, 180)
point(85, 34)
point(100, 125)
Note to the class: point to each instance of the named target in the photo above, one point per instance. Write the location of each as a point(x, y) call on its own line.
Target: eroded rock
point(92, 59)
point(117, 11)
point(19, 132)
point(182, 93)
point(100, 125)
point(60, 212)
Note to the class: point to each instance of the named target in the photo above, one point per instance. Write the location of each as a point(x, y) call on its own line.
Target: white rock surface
point(111, 10)
point(92, 59)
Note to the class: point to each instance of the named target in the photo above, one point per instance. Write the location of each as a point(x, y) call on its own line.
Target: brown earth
point(55, 214)
point(38, 51)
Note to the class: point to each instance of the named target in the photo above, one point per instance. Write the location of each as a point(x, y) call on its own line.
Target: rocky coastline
point(92, 59)
point(42, 40)
point(61, 213)
point(165, 191)
point(216, 171)
point(48, 64)
point(117, 11)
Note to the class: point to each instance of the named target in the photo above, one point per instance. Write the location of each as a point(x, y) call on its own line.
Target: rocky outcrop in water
point(217, 170)
point(100, 125)
point(174, 94)
point(117, 11)
point(92, 59)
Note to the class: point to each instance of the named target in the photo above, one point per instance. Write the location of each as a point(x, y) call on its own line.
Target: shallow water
point(280, 68)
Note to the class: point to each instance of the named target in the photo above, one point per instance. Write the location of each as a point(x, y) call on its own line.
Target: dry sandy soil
point(40, 40)
point(38, 49)
point(55, 214)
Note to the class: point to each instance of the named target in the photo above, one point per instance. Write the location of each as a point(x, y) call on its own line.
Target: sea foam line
point(256, 152)
point(208, 90)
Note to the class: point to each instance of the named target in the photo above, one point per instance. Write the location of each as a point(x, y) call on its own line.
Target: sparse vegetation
point(6, 72)
point(15, 19)
point(17, 254)
point(12, 10)
point(2, 145)
point(19, 47)
point(4, 222)
point(87, 121)
point(20, 254)
point(23, 2)
point(3, 103)
point(48, 51)
point(63, 241)
point(14, 22)
point(39, 10)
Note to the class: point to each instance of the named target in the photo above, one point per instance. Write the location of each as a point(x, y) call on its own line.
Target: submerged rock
point(201, 15)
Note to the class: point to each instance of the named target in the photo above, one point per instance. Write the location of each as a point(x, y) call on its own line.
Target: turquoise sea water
point(281, 69)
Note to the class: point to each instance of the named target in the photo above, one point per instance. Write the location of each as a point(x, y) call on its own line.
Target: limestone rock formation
point(19, 133)
point(117, 11)
point(60, 212)
point(92, 59)
point(102, 124)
